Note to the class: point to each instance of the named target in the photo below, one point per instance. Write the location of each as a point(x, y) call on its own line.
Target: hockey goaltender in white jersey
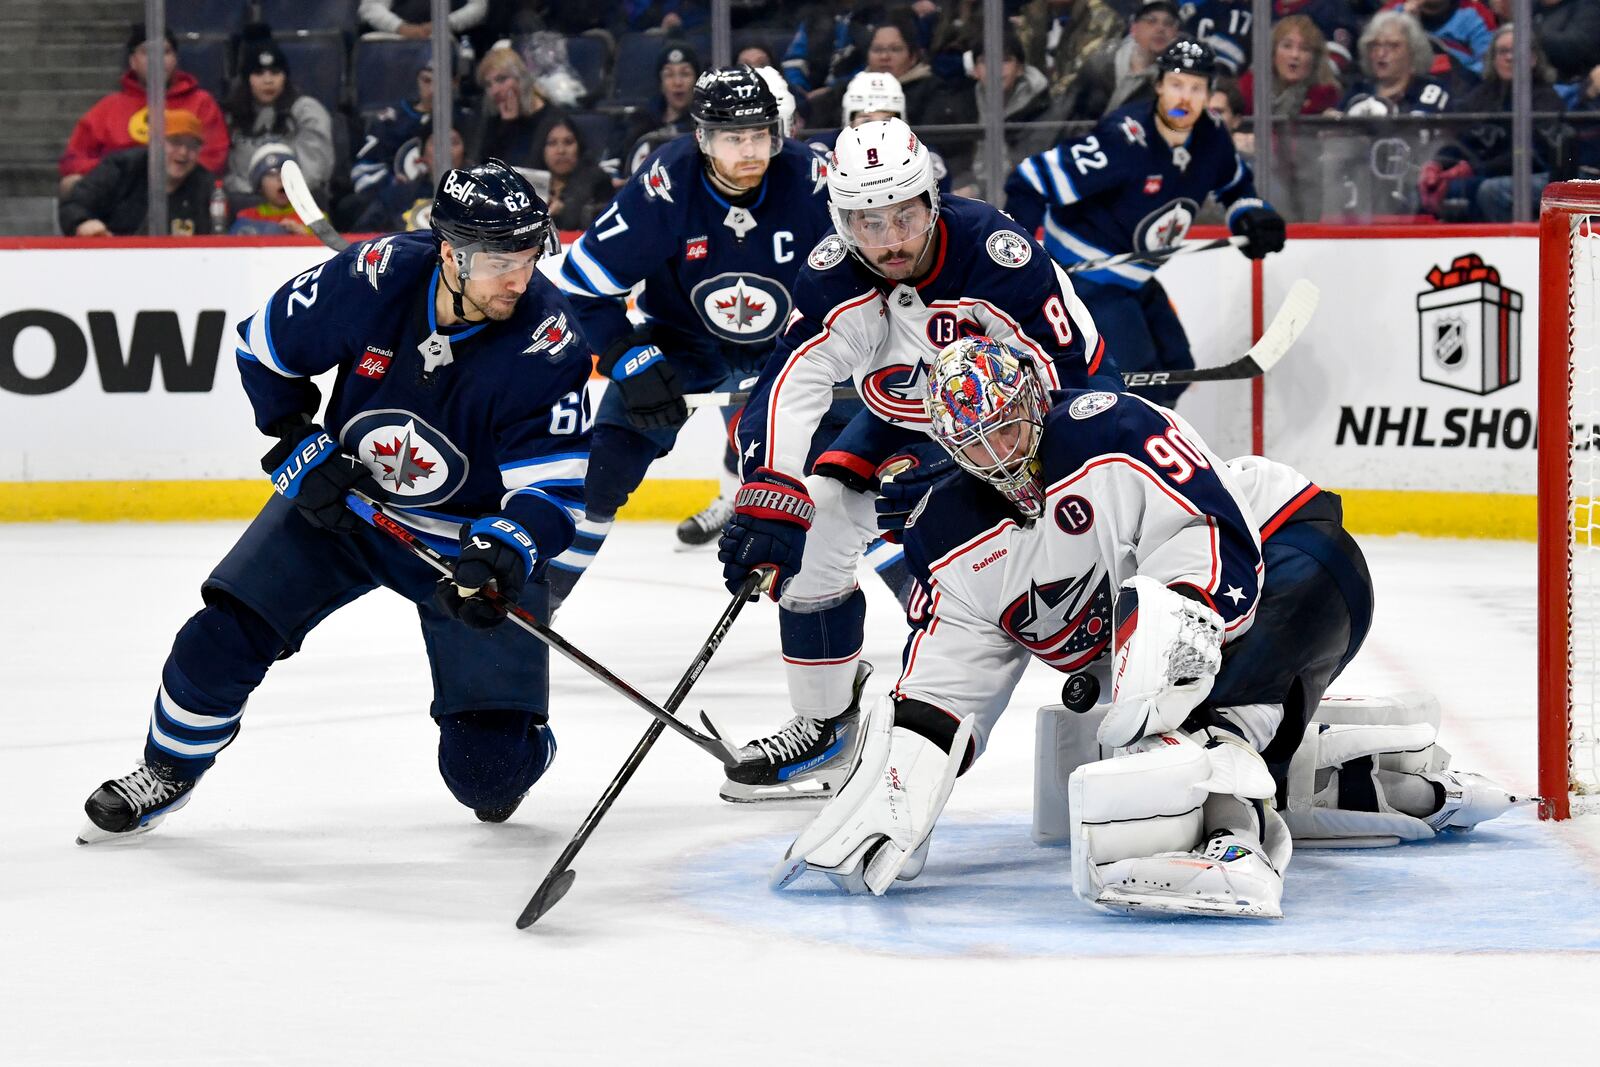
point(1214, 601)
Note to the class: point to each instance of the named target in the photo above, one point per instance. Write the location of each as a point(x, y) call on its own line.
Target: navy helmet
point(1188, 57)
point(490, 208)
point(733, 98)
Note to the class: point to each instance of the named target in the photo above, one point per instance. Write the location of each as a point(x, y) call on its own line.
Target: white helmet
point(875, 166)
point(873, 91)
point(780, 89)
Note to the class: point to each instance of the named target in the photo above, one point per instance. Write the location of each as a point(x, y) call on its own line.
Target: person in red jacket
point(1303, 76)
point(122, 120)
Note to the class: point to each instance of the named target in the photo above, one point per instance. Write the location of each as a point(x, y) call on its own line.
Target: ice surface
point(324, 899)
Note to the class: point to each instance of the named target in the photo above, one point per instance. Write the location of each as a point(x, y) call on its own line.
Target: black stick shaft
point(374, 513)
point(702, 658)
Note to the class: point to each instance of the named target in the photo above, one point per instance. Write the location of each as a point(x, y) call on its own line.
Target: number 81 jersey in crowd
point(713, 269)
point(986, 278)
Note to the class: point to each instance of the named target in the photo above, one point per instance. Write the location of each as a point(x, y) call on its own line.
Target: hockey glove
point(903, 480)
point(1264, 229)
point(771, 514)
point(308, 467)
point(649, 387)
point(1168, 652)
point(496, 553)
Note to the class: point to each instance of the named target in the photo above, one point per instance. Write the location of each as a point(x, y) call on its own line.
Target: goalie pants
point(1141, 331)
point(282, 578)
point(1314, 613)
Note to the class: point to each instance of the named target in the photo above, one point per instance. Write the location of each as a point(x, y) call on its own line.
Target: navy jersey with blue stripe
point(1225, 25)
point(1122, 188)
point(500, 425)
point(714, 272)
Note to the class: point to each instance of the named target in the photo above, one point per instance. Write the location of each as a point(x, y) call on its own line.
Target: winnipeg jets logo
point(657, 183)
point(819, 174)
point(372, 259)
point(1066, 623)
point(551, 336)
point(1133, 131)
point(1166, 225)
point(412, 461)
point(742, 307)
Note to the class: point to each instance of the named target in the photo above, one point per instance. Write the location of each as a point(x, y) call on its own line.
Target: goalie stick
point(1285, 328)
point(561, 876)
point(376, 515)
point(305, 206)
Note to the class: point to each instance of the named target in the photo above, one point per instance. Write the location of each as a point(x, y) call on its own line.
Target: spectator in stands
point(113, 199)
point(579, 189)
point(1586, 139)
point(404, 204)
point(264, 107)
point(1395, 59)
point(1569, 33)
point(1227, 106)
point(119, 120)
point(1460, 27)
point(1060, 36)
point(515, 116)
point(1340, 22)
point(894, 48)
point(1470, 179)
point(667, 116)
point(756, 56)
point(391, 148)
point(1026, 95)
point(1303, 78)
point(413, 19)
point(829, 46)
point(1128, 73)
point(669, 18)
point(271, 214)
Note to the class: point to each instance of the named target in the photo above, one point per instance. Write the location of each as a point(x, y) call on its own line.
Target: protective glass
point(872, 228)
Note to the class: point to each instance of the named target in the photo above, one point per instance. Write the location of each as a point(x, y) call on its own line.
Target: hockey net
point(1569, 498)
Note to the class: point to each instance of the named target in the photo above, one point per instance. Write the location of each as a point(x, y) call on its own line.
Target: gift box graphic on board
point(1470, 328)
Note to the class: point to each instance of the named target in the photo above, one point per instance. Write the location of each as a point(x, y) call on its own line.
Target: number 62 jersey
point(1131, 489)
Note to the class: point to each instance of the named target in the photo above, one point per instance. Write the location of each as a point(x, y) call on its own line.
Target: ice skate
point(1468, 800)
point(704, 526)
point(1230, 876)
point(807, 758)
point(135, 803)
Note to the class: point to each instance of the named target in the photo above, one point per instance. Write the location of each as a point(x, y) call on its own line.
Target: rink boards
point(1409, 392)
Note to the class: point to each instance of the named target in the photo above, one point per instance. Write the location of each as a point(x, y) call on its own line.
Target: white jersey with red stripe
point(1131, 489)
point(988, 278)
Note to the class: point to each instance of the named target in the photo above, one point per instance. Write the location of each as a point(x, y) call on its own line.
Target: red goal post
point(1569, 495)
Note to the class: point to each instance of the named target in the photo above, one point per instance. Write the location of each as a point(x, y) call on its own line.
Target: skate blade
point(735, 793)
point(93, 835)
point(1161, 904)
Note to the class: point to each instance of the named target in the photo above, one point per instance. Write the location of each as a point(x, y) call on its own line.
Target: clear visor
point(484, 263)
point(1000, 449)
point(870, 228)
point(730, 146)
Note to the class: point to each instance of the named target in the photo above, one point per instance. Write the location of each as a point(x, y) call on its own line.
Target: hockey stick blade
point(305, 206)
point(546, 897)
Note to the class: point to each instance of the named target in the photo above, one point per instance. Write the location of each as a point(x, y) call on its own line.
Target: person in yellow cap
point(113, 198)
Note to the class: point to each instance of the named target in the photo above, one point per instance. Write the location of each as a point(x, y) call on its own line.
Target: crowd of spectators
point(577, 95)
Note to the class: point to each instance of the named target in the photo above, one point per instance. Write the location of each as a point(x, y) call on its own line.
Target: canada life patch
point(697, 248)
point(1009, 249)
point(830, 253)
point(1090, 404)
point(374, 362)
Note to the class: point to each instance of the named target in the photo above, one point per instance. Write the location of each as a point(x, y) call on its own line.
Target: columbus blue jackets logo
point(830, 253)
point(372, 259)
point(1166, 225)
point(895, 392)
point(551, 336)
point(1066, 623)
point(743, 308)
point(1009, 249)
point(1088, 405)
point(412, 461)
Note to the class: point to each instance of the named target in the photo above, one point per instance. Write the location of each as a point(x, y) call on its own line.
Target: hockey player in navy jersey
point(1213, 602)
point(715, 226)
point(907, 273)
point(1136, 183)
point(458, 400)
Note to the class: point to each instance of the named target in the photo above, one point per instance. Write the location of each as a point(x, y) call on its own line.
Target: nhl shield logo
point(413, 462)
point(1469, 328)
point(742, 307)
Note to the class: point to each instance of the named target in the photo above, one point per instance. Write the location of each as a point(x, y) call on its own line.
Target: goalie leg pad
point(876, 828)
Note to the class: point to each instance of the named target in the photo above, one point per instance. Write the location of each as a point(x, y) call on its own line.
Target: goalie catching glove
point(1168, 653)
point(496, 553)
point(308, 467)
point(875, 830)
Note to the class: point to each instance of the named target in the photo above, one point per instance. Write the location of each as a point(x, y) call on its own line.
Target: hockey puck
point(1080, 692)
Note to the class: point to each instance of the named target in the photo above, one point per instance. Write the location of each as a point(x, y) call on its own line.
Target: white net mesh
point(1584, 547)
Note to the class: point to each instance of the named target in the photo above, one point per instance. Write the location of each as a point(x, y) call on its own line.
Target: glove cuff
point(506, 532)
point(770, 495)
point(290, 439)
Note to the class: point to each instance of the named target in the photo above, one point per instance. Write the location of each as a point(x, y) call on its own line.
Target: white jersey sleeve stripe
point(260, 342)
point(1030, 174)
point(1066, 192)
point(567, 469)
point(593, 271)
point(795, 357)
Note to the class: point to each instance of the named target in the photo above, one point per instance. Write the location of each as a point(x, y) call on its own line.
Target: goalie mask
point(987, 406)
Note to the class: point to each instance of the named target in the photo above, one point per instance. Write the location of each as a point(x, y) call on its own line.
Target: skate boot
point(1229, 876)
point(1466, 799)
point(807, 758)
point(505, 811)
point(135, 803)
point(705, 525)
